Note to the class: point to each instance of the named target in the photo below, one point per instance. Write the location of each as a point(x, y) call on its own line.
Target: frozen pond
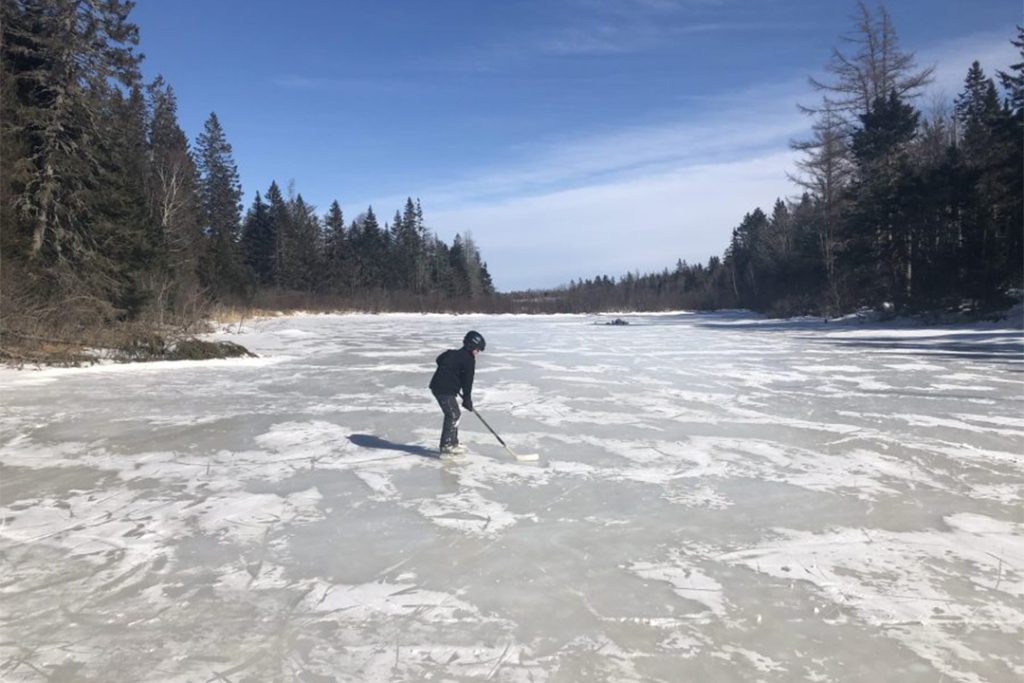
point(718, 498)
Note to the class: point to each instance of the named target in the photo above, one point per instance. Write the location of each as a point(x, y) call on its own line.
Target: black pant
point(450, 429)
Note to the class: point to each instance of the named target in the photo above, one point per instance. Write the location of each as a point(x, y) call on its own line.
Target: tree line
point(896, 209)
point(110, 214)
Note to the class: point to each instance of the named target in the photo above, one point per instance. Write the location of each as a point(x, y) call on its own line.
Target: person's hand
point(468, 405)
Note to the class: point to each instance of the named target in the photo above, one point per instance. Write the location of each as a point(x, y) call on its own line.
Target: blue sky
point(571, 138)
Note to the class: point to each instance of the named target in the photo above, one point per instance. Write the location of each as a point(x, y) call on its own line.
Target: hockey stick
point(526, 457)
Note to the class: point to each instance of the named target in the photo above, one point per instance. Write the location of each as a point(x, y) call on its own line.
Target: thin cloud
point(724, 129)
point(618, 38)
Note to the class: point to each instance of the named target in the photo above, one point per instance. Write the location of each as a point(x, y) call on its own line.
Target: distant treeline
point(109, 214)
point(897, 209)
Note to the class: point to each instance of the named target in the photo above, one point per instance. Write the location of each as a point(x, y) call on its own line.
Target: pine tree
point(221, 194)
point(1013, 80)
point(978, 112)
point(123, 229)
point(173, 185)
point(411, 247)
point(1012, 165)
point(991, 156)
point(458, 283)
point(369, 246)
point(280, 226)
point(306, 233)
point(258, 242)
point(746, 258)
point(336, 251)
point(65, 68)
point(880, 244)
point(439, 258)
point(61, 59)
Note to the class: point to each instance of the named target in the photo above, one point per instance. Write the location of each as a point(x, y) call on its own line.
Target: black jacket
point(455, 369)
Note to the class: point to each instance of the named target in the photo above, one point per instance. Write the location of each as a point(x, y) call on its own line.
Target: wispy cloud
point(719, 129)
point(305, 82)
point(607, 38)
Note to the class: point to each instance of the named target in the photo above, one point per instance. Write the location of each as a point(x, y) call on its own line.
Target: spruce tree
point(370, 251)
point(61, 60)
point(281, 228)
point(258, 242)
point(173, 185)
point(123, 228)
point(64, 69)
point(221, 194)
point(991, 154)
point(1013, 80)
point(336, 251)
point(880, 241)
point(306, 234)
point(1011, 168)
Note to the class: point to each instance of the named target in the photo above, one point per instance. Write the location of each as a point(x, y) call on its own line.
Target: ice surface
point(719, 498)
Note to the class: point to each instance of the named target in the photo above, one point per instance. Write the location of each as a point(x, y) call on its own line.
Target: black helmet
point(474, 340)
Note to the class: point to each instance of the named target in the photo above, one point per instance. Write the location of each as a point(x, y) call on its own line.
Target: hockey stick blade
point(525, 457)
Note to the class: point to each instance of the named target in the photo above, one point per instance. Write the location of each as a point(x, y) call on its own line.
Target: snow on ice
point(719, 497)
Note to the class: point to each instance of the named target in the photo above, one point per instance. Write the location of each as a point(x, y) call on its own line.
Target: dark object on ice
point(617, 321)
point(197, 349)
point(155, 347)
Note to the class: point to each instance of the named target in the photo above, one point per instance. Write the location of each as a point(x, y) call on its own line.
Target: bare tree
point(825, 172)
point(873, 68)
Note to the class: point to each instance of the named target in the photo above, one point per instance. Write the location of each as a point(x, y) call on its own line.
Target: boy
point(455, 369)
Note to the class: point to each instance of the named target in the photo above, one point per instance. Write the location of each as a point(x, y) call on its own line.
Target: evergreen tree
point(472, 265)
point(411, 247)
point(370, 251)
point(64, 68)
point(307, 242)
point(746, 257)
point(258, 242)
point(1013, 80)
point(991, 157)
point(61, 60)
point(280, 226)
point(172, 182)
point(440, 266)
point(123, 229)
point(1011, 168)
point(458, 284)
point(880, 241)
point(336, 251)
point(221, 194)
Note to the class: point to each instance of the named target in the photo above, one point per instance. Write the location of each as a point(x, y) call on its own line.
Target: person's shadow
point(370, 441)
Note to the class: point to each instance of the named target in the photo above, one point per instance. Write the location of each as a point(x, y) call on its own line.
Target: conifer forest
point(111, 217)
